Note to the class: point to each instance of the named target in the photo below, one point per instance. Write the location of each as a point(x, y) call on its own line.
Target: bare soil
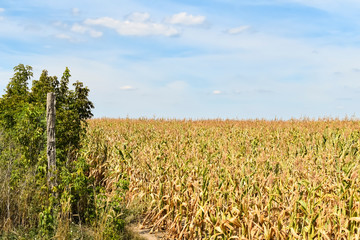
point(144, 233)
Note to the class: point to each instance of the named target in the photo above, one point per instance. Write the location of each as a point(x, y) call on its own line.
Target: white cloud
point(139, 17)
point(217, 92)
point(184, 18)
point(137, 24)
point(63, 36)
point(75, 11)
point(84, 29)
point(237, 30)
point(127, 88)
point(79, 28)
point(1, 18)
point(95, 34)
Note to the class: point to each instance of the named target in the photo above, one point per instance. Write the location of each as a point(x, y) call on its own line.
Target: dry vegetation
point(234, 179)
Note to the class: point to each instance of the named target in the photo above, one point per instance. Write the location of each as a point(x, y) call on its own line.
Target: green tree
point(22, 112)
point(16, 96)
point(23, 123)
point(73, 109)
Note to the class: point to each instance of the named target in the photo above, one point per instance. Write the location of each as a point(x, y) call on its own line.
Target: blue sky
point(195, 59)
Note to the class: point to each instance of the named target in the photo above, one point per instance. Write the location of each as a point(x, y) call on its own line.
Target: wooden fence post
point(51, 148)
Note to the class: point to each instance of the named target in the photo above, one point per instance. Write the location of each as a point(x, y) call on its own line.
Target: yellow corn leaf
point(295, 234)
point(356, 219)
point(235, 221)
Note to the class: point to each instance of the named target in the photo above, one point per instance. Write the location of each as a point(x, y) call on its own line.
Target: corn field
point(214, 179)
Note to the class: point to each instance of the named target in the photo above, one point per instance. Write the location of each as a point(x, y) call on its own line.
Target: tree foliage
point(23, 164)
point(22, 112)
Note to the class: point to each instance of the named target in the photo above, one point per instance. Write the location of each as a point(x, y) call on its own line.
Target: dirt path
point(145, 233)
